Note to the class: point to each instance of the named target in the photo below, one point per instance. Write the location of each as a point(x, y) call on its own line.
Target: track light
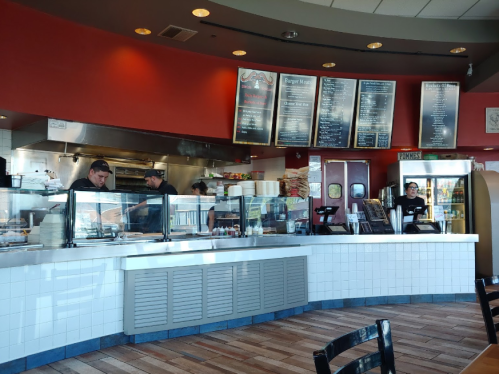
point(470, 71)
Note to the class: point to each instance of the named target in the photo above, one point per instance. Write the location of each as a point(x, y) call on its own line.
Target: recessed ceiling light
point(254, 156)
point(488, 149)
point(289, 34)
point(239, 53)
point(3, 117)
point(458, 50)
point(201, 12)
point(329, 65)
point(142, 31)
point(374, 45)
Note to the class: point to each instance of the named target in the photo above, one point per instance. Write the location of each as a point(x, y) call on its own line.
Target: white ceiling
point(445, 9)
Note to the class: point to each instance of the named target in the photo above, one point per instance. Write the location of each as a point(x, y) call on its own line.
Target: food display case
point(277, 215)
point(116, 217)
point(201, 217)
point(32, 219)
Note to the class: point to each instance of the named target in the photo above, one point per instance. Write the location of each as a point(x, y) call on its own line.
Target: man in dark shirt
point(155, 181)
point(97, 176)
point(411, 198)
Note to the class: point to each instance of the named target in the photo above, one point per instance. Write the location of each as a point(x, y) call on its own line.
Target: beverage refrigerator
point(445, 183)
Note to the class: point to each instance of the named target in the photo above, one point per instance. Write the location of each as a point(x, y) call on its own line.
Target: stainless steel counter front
point(41, 256)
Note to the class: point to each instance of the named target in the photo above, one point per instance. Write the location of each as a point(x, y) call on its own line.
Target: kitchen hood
point(84, 139)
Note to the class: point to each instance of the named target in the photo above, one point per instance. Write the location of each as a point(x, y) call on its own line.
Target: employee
point(411, 198)
point(96, 178)
point(200, 189)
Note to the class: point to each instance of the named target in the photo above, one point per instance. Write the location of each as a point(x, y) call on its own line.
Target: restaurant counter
point(64, 302)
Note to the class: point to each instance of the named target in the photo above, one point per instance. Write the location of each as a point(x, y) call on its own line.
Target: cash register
point(377, 222)
point(329, 228)
point(417, 227)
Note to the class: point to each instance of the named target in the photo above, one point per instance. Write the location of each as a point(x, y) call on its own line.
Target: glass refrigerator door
point(426, 192)
point(451, 195)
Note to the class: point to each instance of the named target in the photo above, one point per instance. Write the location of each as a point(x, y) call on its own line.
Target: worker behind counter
point(96, 178)
point(201, 189)
point(411, 198)
point(154, 180)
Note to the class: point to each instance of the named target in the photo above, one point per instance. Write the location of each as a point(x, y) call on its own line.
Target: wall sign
point(492, 120)
point(410, 155)
point(254, 106)
point(439, 114)
point(374, 122)
point(295, 110)
point(335, 112)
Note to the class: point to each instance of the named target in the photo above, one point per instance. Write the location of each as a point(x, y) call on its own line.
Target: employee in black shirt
point(96, 178)
point(154, 180)
point(411, 198)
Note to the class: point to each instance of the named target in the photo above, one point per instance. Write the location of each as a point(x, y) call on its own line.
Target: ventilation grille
point(177, 33)
point(295, 280)
point(219, 292)
point(151, 304)
point(273, 275)
point(187, 295)
point(248, 287)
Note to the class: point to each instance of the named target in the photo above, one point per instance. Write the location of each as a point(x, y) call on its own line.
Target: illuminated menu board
point(295, 110)
point(374, 123)
point(254, 112)
point(335, 112)
point(439, 115)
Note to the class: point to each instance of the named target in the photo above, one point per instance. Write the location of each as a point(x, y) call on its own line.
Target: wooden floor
point(428, 338)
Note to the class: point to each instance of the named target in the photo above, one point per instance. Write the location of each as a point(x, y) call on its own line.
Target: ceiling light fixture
point(3, 117)
point(254, 156)
point(329, 65)
point(488, 149)
point(374, 45)
point(281, 147)
point(289, 34)
point(142, 31)
point(458, 50)
point(201, 13)
point(239, 53)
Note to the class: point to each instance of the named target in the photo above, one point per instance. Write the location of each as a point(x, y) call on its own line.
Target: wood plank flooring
point(428, 338)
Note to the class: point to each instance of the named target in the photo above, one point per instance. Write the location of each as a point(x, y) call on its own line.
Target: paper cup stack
point(267, 188)
point(248, 188)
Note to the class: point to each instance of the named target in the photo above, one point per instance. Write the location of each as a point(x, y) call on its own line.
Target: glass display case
point(32, 219)
point(277, 215)
point(200, 217)
point(116, 216)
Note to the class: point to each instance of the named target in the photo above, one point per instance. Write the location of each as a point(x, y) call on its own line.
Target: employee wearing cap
point(96, 178)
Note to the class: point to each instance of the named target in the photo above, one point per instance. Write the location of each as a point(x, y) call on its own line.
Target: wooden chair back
point(383, 358)
point(487, 312)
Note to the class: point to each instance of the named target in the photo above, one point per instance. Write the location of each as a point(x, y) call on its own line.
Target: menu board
point(335, 112)
point(295, 110)
point(374, 124)
point(439, 112)
point(254, 112)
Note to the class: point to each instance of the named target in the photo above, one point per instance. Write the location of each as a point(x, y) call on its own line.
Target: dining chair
point(488, 312)
point(383, 358)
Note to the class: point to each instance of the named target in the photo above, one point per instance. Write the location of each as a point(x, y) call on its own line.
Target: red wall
point(53, 67)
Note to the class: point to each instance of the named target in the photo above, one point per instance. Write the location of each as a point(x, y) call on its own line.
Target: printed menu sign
point(439, 112)
point(335, 112)
point(374, 123)
point(254, 106)
point(295, 110)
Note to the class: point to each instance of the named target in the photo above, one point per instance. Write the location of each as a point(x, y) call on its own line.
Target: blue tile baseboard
point(57, 354)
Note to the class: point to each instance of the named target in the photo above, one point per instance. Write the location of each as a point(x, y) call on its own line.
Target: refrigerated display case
point(445, 183)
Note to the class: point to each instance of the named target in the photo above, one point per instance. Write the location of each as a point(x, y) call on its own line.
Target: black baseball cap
point(102, 165)
point(153, 173)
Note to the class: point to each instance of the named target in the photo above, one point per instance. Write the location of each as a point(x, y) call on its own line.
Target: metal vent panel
point(273, 275)
point(219, 291)
point(248, 287)
point(177, 33)
point(151, 299)
point(296, 280)
point(187, 295)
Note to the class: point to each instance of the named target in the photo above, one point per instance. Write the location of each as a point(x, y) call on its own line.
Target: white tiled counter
point(61, 303)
